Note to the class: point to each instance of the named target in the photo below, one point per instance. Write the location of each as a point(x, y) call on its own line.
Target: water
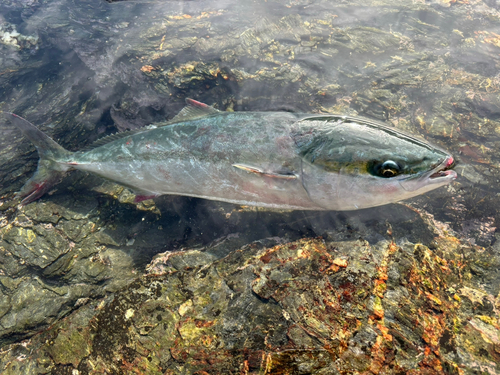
point(82, 70)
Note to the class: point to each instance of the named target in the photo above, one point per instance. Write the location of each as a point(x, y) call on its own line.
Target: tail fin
point(49, 171)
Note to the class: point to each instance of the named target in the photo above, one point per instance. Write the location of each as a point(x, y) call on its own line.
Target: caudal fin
point(50, 170)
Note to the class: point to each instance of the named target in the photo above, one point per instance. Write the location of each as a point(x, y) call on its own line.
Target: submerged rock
point(310, 306)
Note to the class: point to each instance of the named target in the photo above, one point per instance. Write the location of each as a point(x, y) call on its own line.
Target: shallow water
point(82, 70)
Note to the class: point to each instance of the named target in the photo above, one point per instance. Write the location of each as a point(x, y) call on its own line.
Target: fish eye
point(388, 169)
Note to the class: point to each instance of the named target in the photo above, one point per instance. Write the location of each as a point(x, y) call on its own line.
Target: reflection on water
point(82, 70)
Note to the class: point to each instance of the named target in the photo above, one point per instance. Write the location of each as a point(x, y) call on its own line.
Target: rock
point(265, 308)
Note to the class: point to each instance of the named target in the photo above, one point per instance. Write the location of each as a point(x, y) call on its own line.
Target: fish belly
point(206, 180)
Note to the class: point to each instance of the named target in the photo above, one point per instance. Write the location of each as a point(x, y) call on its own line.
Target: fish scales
point(199, 161)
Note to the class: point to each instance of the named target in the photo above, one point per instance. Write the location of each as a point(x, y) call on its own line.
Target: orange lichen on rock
point(385, 332)
point(340, 262)
point(493, 39)
point(433, 328)
point(380, 284)
point(147, 69)
point(181, 17)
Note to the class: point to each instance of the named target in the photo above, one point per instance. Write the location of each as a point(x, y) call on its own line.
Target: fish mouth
point(444, 171)
point(441, 175)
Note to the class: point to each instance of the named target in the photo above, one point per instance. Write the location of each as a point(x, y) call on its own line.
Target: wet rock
point(53, 255)
point(305, 306)
point(37, 247)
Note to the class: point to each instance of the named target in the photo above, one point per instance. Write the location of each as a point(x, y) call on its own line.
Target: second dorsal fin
point(193, 109)
point(111, 138)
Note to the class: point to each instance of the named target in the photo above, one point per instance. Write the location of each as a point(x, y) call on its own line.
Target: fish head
point(357, 163)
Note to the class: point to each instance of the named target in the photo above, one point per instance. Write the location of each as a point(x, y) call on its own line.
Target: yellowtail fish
point(278, 160)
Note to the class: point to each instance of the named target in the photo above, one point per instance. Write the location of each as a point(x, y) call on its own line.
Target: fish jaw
point(437, 177)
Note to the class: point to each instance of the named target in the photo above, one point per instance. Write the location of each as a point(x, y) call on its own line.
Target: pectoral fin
point(261, 172)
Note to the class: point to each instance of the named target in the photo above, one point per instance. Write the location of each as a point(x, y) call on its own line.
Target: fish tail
point(50, 170)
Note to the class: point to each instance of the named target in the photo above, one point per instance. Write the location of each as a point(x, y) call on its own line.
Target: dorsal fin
point(193, 109)
point(111, 138)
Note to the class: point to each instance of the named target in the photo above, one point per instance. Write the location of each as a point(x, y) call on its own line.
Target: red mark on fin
point(37, 190)
point(40, 186)
point(196, 103)
point(140, 198)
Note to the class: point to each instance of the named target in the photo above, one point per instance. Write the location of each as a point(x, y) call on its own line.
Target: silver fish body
point(270, 159)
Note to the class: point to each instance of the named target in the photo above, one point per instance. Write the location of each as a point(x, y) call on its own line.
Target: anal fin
point(261, 172)
point(143, 195)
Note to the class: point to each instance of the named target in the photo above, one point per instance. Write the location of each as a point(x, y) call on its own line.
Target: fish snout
point(441, 175)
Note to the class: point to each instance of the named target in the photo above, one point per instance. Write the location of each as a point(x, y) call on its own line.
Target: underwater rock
point(52, 256)
point(309, 306)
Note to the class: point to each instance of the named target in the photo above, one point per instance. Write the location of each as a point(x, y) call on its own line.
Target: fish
point(277, 160)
